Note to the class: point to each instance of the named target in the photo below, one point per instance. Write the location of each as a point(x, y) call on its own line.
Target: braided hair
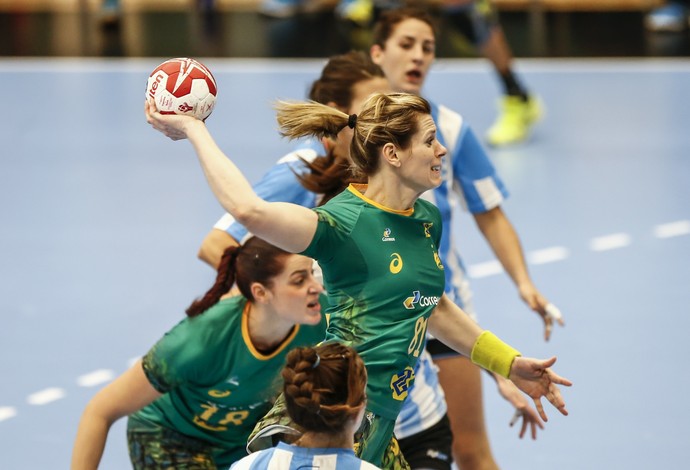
point(324, 386)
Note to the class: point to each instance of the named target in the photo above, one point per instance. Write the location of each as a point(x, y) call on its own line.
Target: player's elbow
point(251, 216)
point(204, 254)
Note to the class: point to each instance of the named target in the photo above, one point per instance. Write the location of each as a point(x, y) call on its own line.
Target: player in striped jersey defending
point(325, 394)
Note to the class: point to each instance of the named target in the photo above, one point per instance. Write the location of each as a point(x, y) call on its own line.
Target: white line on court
point(672, 229)
point(7, 412)
point(548, 255)
point(543, 256)
point(45, 396)
point(489, 268)
point(610, 242)
point(96, 377)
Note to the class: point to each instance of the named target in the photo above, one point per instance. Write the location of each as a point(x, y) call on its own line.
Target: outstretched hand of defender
point(171, 125)
point(513, 395)
point(536, 379)
point(549, 313)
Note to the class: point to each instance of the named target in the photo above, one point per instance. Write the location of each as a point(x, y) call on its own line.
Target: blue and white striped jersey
point(287, 457)
point(470, 181)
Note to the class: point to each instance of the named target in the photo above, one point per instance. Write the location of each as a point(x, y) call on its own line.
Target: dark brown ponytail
point(254, 261)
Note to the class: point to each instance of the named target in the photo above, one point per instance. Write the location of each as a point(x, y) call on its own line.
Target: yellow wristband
point(493, 354)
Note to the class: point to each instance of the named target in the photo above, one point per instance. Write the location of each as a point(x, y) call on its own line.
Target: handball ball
point(183, 86)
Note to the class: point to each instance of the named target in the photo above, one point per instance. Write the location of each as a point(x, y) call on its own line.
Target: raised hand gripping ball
point(183, 86)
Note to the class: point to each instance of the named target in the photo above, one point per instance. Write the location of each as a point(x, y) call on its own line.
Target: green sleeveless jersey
point(216, 385)
point(384, 278)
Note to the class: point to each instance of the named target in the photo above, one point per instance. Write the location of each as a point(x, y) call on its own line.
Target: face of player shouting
point(407, 55)
point(294, 294)
point(360, 92)
point(420, 163)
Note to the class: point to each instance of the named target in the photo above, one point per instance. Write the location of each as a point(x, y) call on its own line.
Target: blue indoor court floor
point(101, 218)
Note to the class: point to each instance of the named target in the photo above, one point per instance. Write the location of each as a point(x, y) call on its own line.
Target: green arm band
point(493, 354)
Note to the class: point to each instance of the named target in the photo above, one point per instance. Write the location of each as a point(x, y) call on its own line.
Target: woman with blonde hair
point(377, 245)
point(404, 46)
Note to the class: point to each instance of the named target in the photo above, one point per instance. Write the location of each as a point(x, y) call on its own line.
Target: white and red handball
point(183, 86)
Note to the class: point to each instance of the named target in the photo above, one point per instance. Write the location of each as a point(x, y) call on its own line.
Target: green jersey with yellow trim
point(384, 278)
point(216, 385)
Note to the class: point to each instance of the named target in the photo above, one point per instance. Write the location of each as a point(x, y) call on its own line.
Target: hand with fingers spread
point(530, 418)
point(534, 377)
point(548, 311)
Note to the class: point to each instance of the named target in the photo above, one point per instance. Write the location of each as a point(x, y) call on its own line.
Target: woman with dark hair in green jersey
point(377, 245)
point(196, 395)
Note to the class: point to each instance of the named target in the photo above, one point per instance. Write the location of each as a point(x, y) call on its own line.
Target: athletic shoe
point(669, 18)
point(515, 120)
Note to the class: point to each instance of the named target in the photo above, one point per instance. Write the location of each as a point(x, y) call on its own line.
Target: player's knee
point(474, 458)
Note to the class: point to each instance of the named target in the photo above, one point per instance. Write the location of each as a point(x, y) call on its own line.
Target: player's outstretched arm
point(288, 226)
point(452, 326)
point(128, 393)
